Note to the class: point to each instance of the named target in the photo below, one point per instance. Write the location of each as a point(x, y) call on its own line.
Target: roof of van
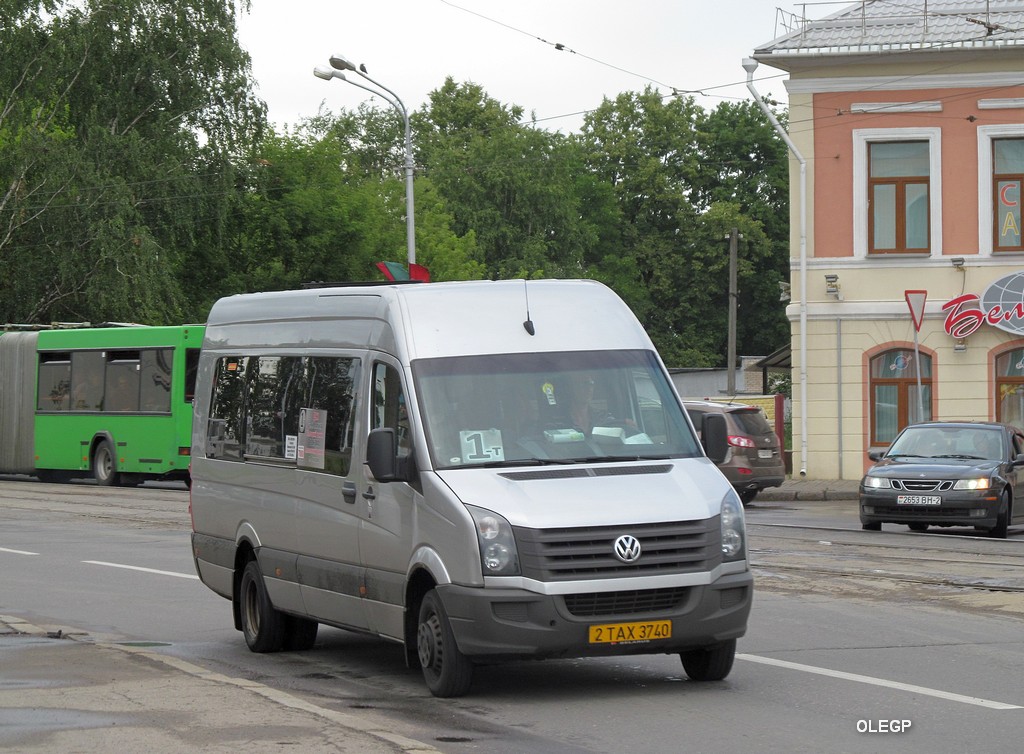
point(435, 319)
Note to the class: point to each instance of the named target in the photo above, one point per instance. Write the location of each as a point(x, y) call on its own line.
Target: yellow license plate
point(627, 633)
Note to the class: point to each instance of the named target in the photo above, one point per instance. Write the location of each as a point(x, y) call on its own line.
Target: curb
point(14, 626)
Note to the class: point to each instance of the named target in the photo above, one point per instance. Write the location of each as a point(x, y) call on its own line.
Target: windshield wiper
point(906, 455)
point(960, 455)
point(516, 462)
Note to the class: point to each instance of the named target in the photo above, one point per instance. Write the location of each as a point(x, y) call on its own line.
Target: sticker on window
point(481, 445)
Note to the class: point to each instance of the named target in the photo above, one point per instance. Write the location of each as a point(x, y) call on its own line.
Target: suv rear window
point(752, 421)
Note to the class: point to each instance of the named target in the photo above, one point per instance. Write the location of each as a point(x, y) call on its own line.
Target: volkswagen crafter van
point(479, 471)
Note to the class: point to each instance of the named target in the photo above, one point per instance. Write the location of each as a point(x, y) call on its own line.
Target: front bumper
point(515, 623)
point(957, 508)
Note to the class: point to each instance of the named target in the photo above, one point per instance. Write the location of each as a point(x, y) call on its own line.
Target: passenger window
point(122, 381)
point(274, 400)
point(87, 371)
point(389, 407)
point(54, 392)
point(224, 426)
point(156, 380)
point(331, 385)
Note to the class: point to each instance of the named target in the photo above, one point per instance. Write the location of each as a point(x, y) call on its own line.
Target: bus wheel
point(262, 625)
point(104, 465)
point(446, 670)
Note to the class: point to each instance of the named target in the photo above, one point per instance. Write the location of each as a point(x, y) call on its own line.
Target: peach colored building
point(908, 119)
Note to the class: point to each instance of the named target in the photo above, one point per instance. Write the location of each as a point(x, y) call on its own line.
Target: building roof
point(874, 26)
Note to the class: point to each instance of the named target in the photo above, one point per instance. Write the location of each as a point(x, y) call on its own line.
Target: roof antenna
point(528, 324)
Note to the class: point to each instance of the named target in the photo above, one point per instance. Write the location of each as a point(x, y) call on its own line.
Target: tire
point(711, 664)
point(262, 625)
point(747, 496)
point(104, 465)
point(446, 670)
point(872, 526)
point(1002, 518)
point(917, 527)
point(299, 634)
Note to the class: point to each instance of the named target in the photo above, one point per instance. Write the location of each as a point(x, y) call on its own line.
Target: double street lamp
point(337, 70)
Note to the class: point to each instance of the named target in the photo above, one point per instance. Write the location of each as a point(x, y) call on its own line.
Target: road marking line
point(879, 682)
point(17, 552)
point(144, 570)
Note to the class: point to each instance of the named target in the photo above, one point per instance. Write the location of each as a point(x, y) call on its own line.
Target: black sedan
point(947, 474)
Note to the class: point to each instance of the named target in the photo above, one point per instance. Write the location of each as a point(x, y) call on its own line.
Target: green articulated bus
point(113, 402)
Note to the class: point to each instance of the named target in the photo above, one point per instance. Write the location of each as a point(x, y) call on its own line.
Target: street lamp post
point(339, 65)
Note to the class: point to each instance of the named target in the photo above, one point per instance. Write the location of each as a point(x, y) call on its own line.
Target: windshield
point(949, 442)
point(533, 408)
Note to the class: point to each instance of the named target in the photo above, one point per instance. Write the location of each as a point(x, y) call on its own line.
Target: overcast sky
point(509, 48)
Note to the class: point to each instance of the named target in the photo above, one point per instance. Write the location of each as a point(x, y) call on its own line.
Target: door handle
point(348, 492)
point(369, 494)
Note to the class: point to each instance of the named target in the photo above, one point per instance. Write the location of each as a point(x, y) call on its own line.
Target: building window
point(897, 187)
point(1010, 387)
point(1007, 177)
point(894, 393)
point(898, 196)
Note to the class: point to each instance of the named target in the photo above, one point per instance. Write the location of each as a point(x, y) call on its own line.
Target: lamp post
point(337, 70)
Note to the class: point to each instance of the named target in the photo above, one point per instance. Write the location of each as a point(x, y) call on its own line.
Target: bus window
point(87, 370)
point(122, 381)
point(224, 430)
point(191, 370)
point(54, 392)
point(156, 380)
point(331, 384)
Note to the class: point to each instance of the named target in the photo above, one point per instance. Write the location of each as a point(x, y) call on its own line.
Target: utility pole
point(733, 237)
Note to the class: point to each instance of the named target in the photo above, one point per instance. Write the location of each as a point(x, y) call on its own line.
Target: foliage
point(138, 181)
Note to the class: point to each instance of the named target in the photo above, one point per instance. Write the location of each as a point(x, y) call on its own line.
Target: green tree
point(118, 123)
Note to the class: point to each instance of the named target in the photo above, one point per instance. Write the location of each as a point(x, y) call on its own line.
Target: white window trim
point(986, 134)
point(864, 136)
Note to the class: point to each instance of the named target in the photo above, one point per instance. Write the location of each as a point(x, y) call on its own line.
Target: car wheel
point(747, 496)
point(104, 465)
point(872, 526)
point(917, 527)
point(1002, 518)
point(711, 664)
point(262, 625)
point(446, 670)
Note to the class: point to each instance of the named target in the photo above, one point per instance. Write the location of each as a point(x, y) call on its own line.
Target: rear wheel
point(446, 670)
point(1002, 518)
point(104, 465)
point(748, 496)
point(709, 664)
point(262, 625)
point(917, 527)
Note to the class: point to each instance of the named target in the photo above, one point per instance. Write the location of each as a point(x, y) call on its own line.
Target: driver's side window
point(389, 406)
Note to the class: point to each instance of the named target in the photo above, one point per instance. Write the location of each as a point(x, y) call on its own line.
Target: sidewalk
point(61, 691)
point(811, 489)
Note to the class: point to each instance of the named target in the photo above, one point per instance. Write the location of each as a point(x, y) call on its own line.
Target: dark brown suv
point(754, 460)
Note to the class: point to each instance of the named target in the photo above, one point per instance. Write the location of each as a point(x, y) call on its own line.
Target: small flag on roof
point(396, 271)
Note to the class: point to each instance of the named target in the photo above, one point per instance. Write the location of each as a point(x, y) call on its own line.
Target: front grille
point(625, 603)
point(588, 552)
point(922, 485)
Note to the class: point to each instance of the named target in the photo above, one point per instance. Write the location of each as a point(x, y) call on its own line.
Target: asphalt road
point(847, 635)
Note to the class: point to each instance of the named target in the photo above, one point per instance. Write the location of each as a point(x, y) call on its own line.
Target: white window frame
point(862, 137)
point(986, 211)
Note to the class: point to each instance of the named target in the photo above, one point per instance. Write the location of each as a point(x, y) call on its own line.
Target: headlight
point(877, 482)
point(498, 554)
point(972, 484)
point(733, 528)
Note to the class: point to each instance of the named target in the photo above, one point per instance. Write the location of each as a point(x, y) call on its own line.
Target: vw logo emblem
point(627, 548)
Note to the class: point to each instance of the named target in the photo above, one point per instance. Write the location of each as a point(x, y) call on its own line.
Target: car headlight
point(877, 483)
point(734, 533)
point(498, 553)
point(972, 484)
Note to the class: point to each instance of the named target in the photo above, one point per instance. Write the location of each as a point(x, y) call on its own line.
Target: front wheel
point(446, 670)
point(710, 664)
point(104, 465)
point(262, 625)
point(1002, 518)
point(917, 527)
point(872, 526)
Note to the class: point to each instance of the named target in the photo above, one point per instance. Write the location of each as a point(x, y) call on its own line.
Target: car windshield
point(949, 442)
point(538, 408)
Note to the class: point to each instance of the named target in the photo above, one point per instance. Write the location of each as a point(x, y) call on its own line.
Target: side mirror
point(1018, 460)
point(714, 437)
point(382, 454)
point(876, 455)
